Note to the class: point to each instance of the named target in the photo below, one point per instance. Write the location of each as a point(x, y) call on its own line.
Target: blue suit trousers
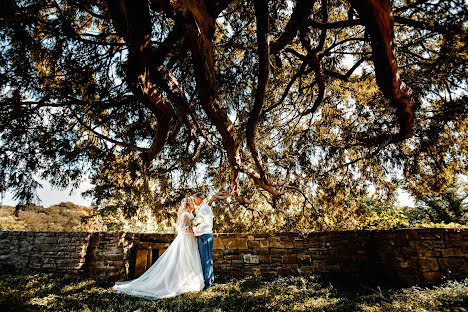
point(205, 247)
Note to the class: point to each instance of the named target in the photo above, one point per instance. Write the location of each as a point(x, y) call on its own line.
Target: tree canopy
point(293, 108)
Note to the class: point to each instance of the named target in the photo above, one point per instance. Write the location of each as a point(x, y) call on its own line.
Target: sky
point(52, 196)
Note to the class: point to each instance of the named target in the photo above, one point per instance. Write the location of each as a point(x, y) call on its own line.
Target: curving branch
point(104, 137)
point(320, 82)
point(132, 18)
point(323, 33)
point(261, 13)
point(344, 77)
point(377, 17)
point(313, 60)
point(169, 84)
point(298, 20)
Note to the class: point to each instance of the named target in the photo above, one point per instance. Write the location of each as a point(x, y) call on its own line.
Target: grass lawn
point(49, 292)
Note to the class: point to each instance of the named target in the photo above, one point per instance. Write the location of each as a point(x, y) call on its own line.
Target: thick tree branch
point(320, 82)
point(323, 33)
point(315, 62)
point(169, 84)
point(298, 20)
point(132, 19)
point(377, 17)
point(261, 13)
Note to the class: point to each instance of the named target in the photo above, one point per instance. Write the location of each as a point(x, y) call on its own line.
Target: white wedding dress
point(177, 271)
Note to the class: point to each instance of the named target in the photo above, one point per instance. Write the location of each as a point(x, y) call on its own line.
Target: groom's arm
point(204, 215)
point(198, 228)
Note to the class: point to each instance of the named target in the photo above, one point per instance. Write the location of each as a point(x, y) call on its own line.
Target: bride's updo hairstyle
point(184, 205)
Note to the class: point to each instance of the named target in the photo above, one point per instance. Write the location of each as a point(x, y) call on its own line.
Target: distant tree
point(276, 103)
point(450, 205)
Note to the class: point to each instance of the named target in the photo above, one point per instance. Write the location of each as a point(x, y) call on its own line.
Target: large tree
point(278, 103)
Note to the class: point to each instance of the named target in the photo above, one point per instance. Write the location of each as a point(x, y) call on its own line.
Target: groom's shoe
point(209, 286)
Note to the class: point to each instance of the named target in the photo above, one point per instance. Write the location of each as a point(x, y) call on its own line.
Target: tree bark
point(378, 20)
point(133, 20)
point(298, 20)
point(261, 13)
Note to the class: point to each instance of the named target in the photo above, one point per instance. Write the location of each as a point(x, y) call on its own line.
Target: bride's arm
point(187, 224)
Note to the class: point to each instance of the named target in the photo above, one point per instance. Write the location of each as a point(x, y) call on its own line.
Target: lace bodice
point(183, 222)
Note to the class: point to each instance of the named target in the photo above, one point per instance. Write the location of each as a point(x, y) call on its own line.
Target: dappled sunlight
point(77, 287)
point(316, 303)
point(56, 293)
point(44, 301)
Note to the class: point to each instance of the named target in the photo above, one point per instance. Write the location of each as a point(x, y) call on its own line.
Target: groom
point(204, 234)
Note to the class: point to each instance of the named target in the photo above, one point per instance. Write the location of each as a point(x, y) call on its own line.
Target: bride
point(177, 271)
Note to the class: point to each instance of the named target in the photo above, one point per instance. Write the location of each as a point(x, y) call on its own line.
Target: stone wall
point(405, 256)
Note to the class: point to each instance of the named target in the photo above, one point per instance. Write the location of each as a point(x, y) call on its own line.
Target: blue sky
point(51, 196)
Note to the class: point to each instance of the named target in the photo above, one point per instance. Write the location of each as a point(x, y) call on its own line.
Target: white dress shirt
point(206, 218)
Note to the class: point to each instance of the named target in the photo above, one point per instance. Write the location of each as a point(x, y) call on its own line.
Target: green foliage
point(388, 218)
point(448, 206)
point(40, 292)
point(67, 112)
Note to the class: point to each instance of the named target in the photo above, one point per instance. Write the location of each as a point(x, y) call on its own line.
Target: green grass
point(49, 292)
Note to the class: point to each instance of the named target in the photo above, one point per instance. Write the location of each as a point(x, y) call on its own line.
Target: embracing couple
point(187, 264)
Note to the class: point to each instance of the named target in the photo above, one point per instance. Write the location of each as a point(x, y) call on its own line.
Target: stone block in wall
point(274, 238)
point(411, 235)
point(317, 244)
point(455, 265)
point(218, 243)
point(300, 243)
point(408, 251)
point(148, 245)
point(431, 234)
point(281, 244)
point(223, 262)
point(428, 264)
point(429, 277)
point(453, 252)
point(453, 236)
point(253, 244)
point(304, 259)
point(455, 243)
point(261, 243)
point(235, 243)
point(237, 263)
point(251, 259)
point(255, 271)
point(233, 256)
point(286, 270)
point(264, 259)
point(289, 259)
point(275, 258)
